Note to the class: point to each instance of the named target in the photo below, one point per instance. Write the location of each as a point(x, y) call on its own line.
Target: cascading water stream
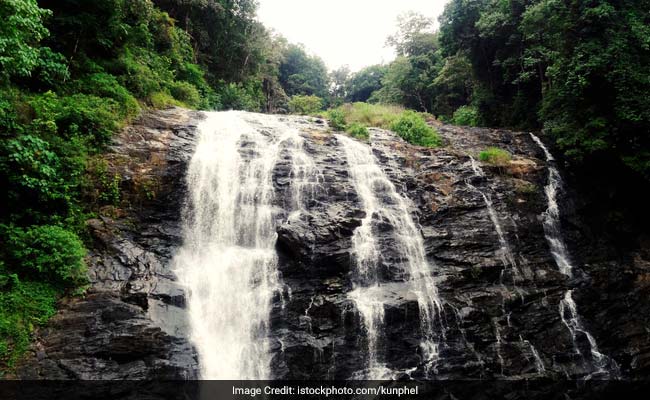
point(381, 201)
point(228, 259)
point(571, 319)
point(306, 177)
point(508, 260)
point(551, 221)
point(505, 254)
point(551, 217)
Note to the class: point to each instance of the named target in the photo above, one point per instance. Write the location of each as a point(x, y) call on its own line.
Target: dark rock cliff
point(500, 319)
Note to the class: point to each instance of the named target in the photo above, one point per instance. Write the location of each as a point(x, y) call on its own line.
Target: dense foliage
point(358, 131)
point(66, 85)
point(303, 74)
point(305, 105)
point(578, 69)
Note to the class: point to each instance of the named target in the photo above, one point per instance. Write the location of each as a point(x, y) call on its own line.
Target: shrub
point(412, 127)
point(186, 93)
point(106, 85)
point(47, 253)
point(162, 100)
point(23, 306)
point(96, 118)
point(233, 96)
point(31, 168)
point(466, 115)
point(495, 156)
point(305, 105)
point(51, 68)
point(337, 119)
point(8, 114)
point(358, 131)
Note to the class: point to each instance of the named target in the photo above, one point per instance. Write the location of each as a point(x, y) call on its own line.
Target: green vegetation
point(466, 115)
point(23, 307)
point(578, 70)
point(302, 74)
point(305, 105)
point(337, 119)
point(412, 127)
point(377, 115)
point(358, 131)
point(495, 156)
point(364, 83)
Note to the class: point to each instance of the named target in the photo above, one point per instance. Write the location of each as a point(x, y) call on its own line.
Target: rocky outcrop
point(501, 317)
point(130, 323)
point(500, 314)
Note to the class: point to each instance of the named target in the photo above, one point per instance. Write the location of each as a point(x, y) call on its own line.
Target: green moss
point(495, 156)
point(162, 100)
point(24, 305)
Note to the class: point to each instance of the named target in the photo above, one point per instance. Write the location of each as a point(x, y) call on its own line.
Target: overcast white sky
point(343, 32)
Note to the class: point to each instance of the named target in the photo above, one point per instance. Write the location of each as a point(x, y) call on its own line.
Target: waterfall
point(571, 319)
point(551, 221)
point(306, 177)
point(505, 254)
point(551, 217)
point(381, 202)
point(508, 260)
point(228, 259)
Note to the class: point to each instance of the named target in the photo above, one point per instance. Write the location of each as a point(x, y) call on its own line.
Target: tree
point(578, 69)
point(303, 74)
point(20, 33)
point(414, 30)
point(339, 84)
point(409, 79)
point(275, 97)
point(453, 86)
point(225, 35)
point(364, 83)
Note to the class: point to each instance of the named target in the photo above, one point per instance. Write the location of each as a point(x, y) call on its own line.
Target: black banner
point(333, 390)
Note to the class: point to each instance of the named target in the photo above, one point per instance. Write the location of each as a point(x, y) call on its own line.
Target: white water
point(508, 260)
point(571, 319)
point(505, 254)
point(551, 221)
point(228, 260)
point(539, 364)
point(551, 216)
point(381, 201)
point(306, 177)
point(497, 335)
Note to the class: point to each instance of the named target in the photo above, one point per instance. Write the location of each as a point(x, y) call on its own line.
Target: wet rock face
point(131, 324)
point(500, 314)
